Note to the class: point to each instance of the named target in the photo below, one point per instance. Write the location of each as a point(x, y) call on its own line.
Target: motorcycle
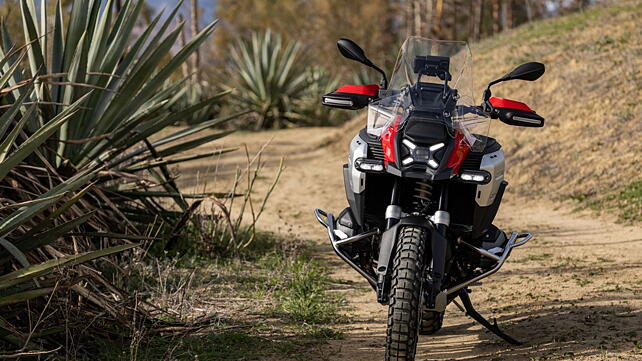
point(424, 182)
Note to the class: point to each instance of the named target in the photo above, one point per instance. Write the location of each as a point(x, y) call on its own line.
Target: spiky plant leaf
point(78, 117)
point(265, 77)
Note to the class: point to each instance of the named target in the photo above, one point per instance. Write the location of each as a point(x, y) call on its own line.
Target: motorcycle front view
point(423, 183)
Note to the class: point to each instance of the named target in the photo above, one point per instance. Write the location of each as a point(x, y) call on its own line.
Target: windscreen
point(450, 64)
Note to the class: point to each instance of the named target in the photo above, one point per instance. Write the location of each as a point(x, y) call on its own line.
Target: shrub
point(84, 172)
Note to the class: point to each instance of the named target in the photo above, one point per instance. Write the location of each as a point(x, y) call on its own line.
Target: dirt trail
point(574, 292)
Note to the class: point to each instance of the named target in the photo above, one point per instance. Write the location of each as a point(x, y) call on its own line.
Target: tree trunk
point(417, 16)
point(409, 16)
point(529, 11)
point(429, 17)
point(436, 28)
point(197, 54)
point(477, 18)
point(183, 41)
point(453, 19)
point(495, 16)
point(507, 14)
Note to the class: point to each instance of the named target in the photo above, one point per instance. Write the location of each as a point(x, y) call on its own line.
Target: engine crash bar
point(327, 220)
point(512, 243)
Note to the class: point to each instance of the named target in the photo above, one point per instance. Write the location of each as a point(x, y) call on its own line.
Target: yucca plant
point(266, 78)
point(308, 110)
point(83, 169)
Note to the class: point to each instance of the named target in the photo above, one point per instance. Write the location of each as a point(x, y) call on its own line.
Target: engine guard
point(442, 298)
point(327, 220)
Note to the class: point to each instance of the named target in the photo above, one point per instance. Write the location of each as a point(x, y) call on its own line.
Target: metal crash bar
point(328, 222)
point(512, 243)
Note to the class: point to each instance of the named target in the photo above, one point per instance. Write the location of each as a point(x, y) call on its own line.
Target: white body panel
point(358, 149)
point(494, 164)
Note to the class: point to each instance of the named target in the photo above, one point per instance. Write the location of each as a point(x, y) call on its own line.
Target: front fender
point(389, 239)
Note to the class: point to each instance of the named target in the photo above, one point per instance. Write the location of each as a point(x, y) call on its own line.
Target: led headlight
point(407, 161)
point(422, 155)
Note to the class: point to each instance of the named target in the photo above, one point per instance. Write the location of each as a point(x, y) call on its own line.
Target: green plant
point(82, 165)
point(266, 78)
point(626, 200)
point(308, 108)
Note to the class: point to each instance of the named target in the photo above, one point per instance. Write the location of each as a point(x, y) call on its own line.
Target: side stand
point(470, 311)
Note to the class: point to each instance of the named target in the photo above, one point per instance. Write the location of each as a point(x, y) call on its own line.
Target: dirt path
point(574, 292)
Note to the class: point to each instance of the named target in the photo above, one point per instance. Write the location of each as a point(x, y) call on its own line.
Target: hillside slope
point(590, 149)
point(591, 146)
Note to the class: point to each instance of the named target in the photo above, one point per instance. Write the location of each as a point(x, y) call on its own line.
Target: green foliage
point(303, 297)
point(308, 109)
point(266, 77)
point(80, 106)
point(626, 201)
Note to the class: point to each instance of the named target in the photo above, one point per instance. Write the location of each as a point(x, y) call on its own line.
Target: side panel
point(355, 200)
point(493, 163)
point(358, 149)
point(354, 180)
point(484, 216)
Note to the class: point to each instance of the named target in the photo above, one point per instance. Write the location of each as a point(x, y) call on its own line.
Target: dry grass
point(590, 96)
point(271, 299)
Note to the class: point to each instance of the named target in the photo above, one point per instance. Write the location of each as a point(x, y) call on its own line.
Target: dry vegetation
point(590, 147)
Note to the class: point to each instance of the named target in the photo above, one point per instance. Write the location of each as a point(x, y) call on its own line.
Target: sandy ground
point(573, 293)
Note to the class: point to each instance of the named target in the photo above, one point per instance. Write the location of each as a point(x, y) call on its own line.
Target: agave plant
point(266, 78)
point(308, 109)
point(83, 171)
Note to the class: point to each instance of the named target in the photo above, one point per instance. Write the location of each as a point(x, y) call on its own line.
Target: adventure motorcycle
point(424, 183)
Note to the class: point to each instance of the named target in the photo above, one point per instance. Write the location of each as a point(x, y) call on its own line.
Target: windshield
point(432, 80)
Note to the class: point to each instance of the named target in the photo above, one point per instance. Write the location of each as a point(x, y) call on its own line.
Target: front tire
point(404, 312)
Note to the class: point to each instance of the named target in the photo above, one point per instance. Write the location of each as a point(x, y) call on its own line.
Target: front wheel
point(404, 312)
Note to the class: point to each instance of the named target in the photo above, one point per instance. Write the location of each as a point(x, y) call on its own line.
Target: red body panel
point(507, 103)
point(459, 153)
point(388, 142)
point(370, 90)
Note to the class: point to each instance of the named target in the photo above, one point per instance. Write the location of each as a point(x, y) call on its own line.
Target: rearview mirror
point(529, 71)
point(352, 51)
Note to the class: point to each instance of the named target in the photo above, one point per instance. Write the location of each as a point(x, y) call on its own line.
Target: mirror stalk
point(384, 79)
point(528, 71)
point(352, 51)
